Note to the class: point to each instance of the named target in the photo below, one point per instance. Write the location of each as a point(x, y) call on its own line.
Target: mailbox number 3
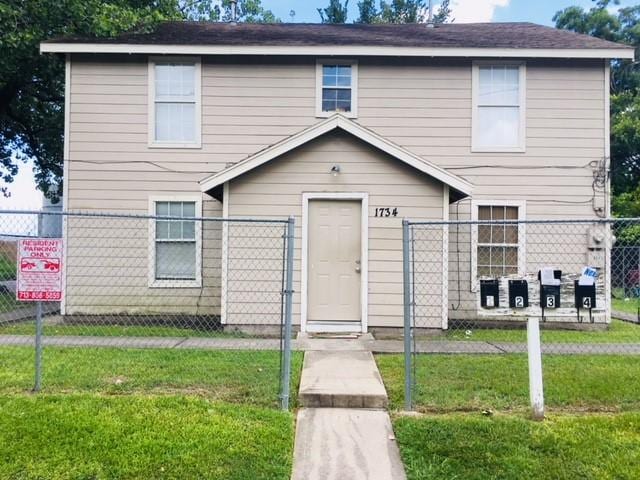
point(551, 302)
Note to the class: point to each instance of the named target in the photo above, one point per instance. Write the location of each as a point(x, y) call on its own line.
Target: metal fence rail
point(212, 293)
point(470, 288)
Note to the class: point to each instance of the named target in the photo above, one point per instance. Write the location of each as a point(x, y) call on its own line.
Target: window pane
point(175, 122)
point(176, 260)
point(499, 85)
point(484, 256)
point(336, 100)
point(511, 234)
point(175, 209)
point(188, 209)
point(162, 208)
point(175, 80)
point(189, 230)
point(162, 230)
point(498, 126)
point(484, 234)
point(511, 256)
point(329, 81)
point(329, 70)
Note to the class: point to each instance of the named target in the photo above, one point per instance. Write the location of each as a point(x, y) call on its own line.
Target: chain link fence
point(164, 302)
point(472, 286)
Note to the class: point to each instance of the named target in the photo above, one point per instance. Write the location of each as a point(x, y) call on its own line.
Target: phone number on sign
point(40, 296)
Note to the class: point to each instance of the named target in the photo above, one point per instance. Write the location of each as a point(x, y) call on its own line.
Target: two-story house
point(333, 124)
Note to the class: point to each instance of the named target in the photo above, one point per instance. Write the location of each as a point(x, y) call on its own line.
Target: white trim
point(332, 327)
point(354, 87)
point(345, 50)
point(445, 257)
point(320, 128)
point(151, 103)
point(224, 272)
point(522, 242)
point(65, 178)
point(151, 275)
point(607, 192)
point(522, 107)
point(364, 256)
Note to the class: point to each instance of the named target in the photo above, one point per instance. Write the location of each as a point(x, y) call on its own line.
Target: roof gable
point(325, 126)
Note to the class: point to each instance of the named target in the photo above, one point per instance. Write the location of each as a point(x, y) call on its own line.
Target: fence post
point(408, 380)
point(536, 393)
point(38, 353)
point(286, 370)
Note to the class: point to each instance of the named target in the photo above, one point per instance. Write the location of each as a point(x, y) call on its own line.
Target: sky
point(24, 194)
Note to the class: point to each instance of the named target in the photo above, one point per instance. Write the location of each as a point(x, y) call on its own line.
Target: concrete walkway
point(305, 345)
point(353, 443)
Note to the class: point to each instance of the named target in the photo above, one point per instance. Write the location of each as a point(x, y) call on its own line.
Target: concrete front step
point(345, 444)
point(341, 379)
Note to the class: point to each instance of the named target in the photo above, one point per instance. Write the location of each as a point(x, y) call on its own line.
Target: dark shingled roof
point(453, 35)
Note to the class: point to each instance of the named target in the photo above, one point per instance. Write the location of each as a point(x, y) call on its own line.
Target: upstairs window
point(498, 108)
point(336, 88)
point(175, 103)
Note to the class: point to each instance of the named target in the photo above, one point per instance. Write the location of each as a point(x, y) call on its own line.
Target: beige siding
point(385, 188)
point(423, 105)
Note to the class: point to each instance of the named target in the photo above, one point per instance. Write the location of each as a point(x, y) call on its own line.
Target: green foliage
point(621, 26)
point(335, 12)
point(32, 85)
point(402, 11)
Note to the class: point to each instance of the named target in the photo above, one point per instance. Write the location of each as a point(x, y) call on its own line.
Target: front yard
point(510, 447)
point(109, 413)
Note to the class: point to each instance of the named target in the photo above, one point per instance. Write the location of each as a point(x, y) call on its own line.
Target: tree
point(249, 11)
point(402, 11)
point(32, 85)
point(621, 26)
point(368, 11)
point(335, 12)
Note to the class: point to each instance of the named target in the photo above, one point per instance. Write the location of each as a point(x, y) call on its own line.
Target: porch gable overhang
point(337, 121)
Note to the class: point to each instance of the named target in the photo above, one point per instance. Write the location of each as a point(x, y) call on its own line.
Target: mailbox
point(585, 296)
point(518, 294)
point(489, 293)
point(549, 288)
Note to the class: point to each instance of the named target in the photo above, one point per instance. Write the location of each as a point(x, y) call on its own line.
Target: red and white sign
point(39, 270)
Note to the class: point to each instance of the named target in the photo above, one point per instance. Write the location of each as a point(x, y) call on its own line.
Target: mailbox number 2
point(519, 302)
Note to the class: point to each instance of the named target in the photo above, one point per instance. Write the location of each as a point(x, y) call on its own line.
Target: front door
point(334, 251)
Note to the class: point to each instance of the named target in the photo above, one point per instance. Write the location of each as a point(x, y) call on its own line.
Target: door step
point(341, 379)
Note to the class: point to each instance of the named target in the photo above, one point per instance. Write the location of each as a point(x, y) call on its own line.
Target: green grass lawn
point(92, 436)
point(618, 332)
point(233, 376)
point(448, 383)
point(28, 328)
point(629, 305)
point(472, 447)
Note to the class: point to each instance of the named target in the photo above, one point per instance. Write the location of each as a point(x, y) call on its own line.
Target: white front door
point(334, 250)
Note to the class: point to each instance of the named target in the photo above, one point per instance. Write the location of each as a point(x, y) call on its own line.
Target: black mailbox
point(518, 294)
point(585, 295)
point(550, 294)
point(489, 293)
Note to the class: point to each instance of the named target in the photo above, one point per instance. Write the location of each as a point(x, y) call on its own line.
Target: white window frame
point(522, 230)
point(152, 143)
point(154, 282)
point(522, 98)
point(354, 87)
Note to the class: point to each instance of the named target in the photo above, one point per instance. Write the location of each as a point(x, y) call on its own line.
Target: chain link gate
point(213, 296)
point(471, 286)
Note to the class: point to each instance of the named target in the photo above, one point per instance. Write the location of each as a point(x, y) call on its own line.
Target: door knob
point(357, 266)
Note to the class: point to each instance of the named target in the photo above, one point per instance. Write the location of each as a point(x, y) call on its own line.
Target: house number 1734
point(386, 212)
